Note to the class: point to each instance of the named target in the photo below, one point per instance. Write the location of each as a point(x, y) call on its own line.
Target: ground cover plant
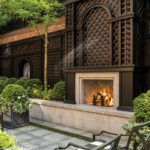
point(7, 142)
point(141, 114)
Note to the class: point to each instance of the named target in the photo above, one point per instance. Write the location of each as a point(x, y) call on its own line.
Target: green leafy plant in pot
point(14, 99)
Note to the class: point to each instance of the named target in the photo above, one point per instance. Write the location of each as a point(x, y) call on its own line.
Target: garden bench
point(101, 144)
point(145, 142)
point(96, 145)
point(135, 131)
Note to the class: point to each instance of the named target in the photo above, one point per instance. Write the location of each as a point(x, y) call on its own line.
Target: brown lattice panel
point(54, 60)
point(94, 38)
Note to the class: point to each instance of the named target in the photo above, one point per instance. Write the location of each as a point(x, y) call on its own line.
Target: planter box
point(83, 117)
point(14, 120)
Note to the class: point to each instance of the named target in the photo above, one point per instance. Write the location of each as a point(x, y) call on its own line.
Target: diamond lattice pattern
point(96, 38)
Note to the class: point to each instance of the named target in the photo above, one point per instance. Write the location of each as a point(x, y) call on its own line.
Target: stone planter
point(83, 117)
point(14, 120)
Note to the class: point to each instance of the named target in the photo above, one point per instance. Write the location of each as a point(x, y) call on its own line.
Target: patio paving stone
point(34, 138)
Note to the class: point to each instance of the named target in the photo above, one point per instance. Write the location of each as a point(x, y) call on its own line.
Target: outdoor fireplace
point(97, 89)
point(98, 92)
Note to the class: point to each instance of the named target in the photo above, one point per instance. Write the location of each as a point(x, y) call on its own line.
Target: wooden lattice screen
point(95, 39)
point(55, 59)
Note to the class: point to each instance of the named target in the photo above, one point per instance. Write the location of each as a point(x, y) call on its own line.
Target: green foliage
point(16, 97)
point(58, 92)
point(7, 9)
point(3, 78)
point(135, 139)
point(141, 115)
point(142, 107)
point(33, 82)
point(35, 11)
point(7, 142)
point(11, 80)
point(45, 95)
point(5, 15)
point(3, 83)
point(36, 93)
point(39, 93)
point(22, 82)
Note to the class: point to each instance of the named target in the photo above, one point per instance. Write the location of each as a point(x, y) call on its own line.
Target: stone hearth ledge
point(85, 108)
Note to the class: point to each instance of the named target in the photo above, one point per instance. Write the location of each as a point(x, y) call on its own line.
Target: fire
point(111, 103)
point(103, 98)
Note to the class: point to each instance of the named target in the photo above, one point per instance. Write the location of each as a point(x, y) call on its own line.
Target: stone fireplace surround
point(81, 77)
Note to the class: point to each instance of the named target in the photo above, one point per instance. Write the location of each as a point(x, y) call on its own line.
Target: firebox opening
point(99, 92)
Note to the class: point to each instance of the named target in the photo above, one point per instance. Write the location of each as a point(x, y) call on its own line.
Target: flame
point(111, 103)
point(106, 95)
point(101, 92)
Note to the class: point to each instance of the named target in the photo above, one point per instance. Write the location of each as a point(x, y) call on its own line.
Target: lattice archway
point(97, 37)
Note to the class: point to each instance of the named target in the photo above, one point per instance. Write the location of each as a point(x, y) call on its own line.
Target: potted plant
point(14, 102)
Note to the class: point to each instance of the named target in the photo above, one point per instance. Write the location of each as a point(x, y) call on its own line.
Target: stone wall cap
point(85, 108)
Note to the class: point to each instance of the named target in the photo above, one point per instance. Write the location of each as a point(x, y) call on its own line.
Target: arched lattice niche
point(97, 37)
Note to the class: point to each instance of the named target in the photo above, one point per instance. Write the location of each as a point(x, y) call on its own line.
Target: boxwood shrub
point(16, 97)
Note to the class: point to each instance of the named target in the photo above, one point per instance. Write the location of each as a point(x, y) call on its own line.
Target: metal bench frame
point(135, 130)
point(113, 143)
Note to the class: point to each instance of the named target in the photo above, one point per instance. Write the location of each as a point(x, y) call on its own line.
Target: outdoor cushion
point(96, 144)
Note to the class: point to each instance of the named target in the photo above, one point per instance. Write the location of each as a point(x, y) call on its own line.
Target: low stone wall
point(89, 118)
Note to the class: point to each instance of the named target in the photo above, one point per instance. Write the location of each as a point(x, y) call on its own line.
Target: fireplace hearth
point(97, 89)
